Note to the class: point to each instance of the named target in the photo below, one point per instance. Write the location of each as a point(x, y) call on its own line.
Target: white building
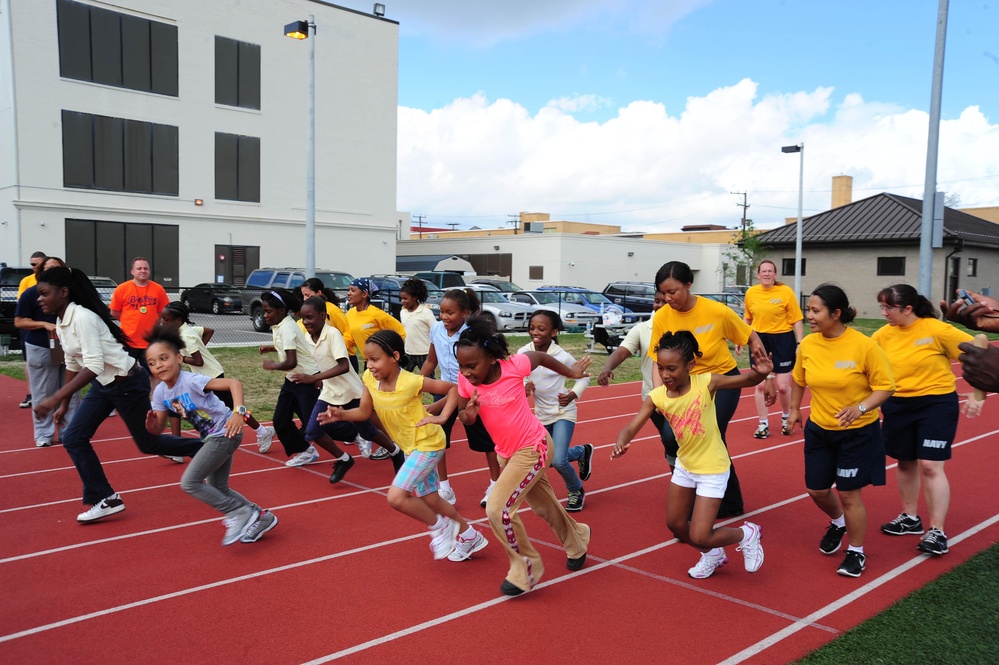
point(176, 130)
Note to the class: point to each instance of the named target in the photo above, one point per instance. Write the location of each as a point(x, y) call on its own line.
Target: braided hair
point(683, 342)
point(179, 310)
point(481, 332)
point(391, 343)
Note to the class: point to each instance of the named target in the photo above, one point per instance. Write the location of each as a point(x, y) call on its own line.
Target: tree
point(744, 255)
point(952, 200)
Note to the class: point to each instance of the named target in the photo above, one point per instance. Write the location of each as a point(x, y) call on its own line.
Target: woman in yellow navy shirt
point(920, 419)
point(849, 377)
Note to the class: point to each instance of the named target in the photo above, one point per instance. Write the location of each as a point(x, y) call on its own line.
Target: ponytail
point(83, 293)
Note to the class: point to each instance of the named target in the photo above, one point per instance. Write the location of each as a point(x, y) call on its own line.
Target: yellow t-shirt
point(399, 411)
point(920, 356)
point(714, 324)
point(841, 371)
point(773, 310)
point(366, 323)
point(287, 337)
point(692, 417)
point(26, 283)
point(191, 335)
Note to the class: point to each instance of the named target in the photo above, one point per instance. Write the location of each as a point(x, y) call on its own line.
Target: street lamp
point(800, 148)
point(300, 30)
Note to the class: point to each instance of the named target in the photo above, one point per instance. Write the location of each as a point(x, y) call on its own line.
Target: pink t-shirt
point(504, 409)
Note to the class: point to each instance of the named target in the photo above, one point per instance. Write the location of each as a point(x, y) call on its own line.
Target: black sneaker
point(340, 469)
point(510, 589)
point(576, 500)
point(903, 525)
point(784, 429)
point(833, 540)
point(762, 432)
point(853, 564)
point(934, 542)
point(397, 460)
point(26, 402)
point(576, 564)
point(585, 464)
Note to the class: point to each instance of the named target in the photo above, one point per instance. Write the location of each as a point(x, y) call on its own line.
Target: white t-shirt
point(417, 324)
point(289, 337)
point(638, 340)
point(189, 399)
point(327, 350)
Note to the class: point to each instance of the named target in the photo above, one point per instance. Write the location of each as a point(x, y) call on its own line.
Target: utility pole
point(744, 207)
point(453, 225)
point(419, 223)
point(515, 222)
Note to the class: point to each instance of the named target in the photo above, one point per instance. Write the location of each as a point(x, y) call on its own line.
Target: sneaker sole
point(846, 573)
point(261, 534)
point(107, 513)
point(315, 461)
point(933, 552)
point(903, 533)
point(704, 577)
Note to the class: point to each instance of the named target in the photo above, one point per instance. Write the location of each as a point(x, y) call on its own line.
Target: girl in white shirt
point(417, 319)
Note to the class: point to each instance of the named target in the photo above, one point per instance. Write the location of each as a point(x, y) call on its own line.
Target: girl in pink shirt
point(491, 387)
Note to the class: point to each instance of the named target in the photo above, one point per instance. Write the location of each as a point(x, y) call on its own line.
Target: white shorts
point(708, 485)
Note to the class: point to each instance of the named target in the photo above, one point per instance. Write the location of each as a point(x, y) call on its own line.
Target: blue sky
point(648, 113)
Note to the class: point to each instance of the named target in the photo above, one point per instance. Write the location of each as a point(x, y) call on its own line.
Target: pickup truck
point(265, 279)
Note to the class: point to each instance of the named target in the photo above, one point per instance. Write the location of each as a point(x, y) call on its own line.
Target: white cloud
point(476, 160)
point(579, 103)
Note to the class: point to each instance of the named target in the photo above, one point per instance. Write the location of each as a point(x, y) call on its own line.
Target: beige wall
point(728, 236)
point(990, 214)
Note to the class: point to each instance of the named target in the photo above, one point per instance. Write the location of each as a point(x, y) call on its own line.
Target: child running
point(341, 387)
point(395, 395)
point(193, 397)
point(199, 360)
point(702, 462)
point(556, 408)
point(491, 388)
point(294, 357)
point(417, 319)
point(456, 306)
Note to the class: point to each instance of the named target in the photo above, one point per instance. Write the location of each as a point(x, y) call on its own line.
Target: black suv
point(10, 279)
point(636, 296)
point(265, 279)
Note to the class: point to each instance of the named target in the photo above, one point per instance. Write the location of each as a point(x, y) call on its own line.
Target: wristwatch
point(241, 411)
point(862, 408)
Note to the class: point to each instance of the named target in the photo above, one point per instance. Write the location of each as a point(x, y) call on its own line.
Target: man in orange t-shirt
point(137, 304)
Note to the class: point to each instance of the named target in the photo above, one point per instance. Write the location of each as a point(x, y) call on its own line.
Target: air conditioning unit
point(534, 227)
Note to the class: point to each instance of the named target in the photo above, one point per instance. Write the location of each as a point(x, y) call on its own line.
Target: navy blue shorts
point(782, 347)
point(920, 427)
point(851, 458)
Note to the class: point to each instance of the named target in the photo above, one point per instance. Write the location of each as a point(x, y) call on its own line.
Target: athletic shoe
point(398, 460)
point(751, 548)
point(833, 540)
point(934, 542)
point(265, 440)
point(340, 469)
point(26, 402)
point(364, 446)
point(309, 456)
point(485, 497)
point(762, 432)
point(447, 495)
point(255, 531)
point(576, 564)
point(109, 506)
point(784, 429)
point(42, 443)
point(464, 549)
point(236, 523)
point(445, 539)
point(174, 458)
point(853, 564)
point(576, 500)
point(510, 589)
point(586, 463)
point(903, 525)
point(379, 454)
point(709, 563)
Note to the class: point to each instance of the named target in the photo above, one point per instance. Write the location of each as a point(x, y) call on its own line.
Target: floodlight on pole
point(300, 30)
point(800, 148)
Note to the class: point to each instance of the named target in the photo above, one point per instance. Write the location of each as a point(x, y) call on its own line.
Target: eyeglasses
point(885, 308)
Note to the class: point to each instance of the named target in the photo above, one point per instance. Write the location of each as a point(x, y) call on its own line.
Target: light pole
point(800, 148)
point(300, 30)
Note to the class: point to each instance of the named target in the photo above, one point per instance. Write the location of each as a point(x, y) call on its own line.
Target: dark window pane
point(166, 170)
point(248, 169)
point(139, 242)
point(226, 71)
point(77, 149)
point(225, 166)
point(163, 58)
point(891, 265)
point(110, 251)
point(166, 256)
point(536, 272)
point(138, 156)
point(74, 40)
point(109, 153)
point(249, 76)
point(105, 45)
point(135, 53)
point(80, 248)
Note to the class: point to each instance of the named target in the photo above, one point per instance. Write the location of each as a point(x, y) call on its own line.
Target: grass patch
point(954, 619)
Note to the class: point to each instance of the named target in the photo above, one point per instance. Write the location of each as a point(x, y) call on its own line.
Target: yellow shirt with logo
point(774, 310)
point(401, 409)
point(920, 356)
point(363, 324)
point(714, 324)
point(692, 417)
point(841, 371)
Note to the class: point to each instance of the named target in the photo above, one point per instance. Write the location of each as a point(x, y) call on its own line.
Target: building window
point(237, 167)
point(891, 265)
point(122, 50)
point(237, 73)
point(972, 267)
point(99, 152)
point(536, 272)
point(787, 268)
point(107, 249)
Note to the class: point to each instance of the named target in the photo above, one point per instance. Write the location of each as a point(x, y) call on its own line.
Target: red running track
point(345, 577)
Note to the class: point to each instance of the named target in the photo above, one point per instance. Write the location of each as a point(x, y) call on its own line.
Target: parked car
point(500, 284)
point(598, 302)
point(442, 279)
point(636, 296)
point(574, 317)
point(731, 299)
point(105, 287)
point(217, 298)
point(10, 278)
point(265, 279)
point(388, 294)
point(510, 316)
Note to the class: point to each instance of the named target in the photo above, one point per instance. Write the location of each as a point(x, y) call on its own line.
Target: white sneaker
point(447, 495)
point(444, 540)
point(109, 506)
point(709, 563)
point(265, 440)
point(42, 443)
point(751, 548)
point(363, 445)
point(464, 548)
point(172, 458)
point(485, 497)
point(308, 456)
point(237, 521)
